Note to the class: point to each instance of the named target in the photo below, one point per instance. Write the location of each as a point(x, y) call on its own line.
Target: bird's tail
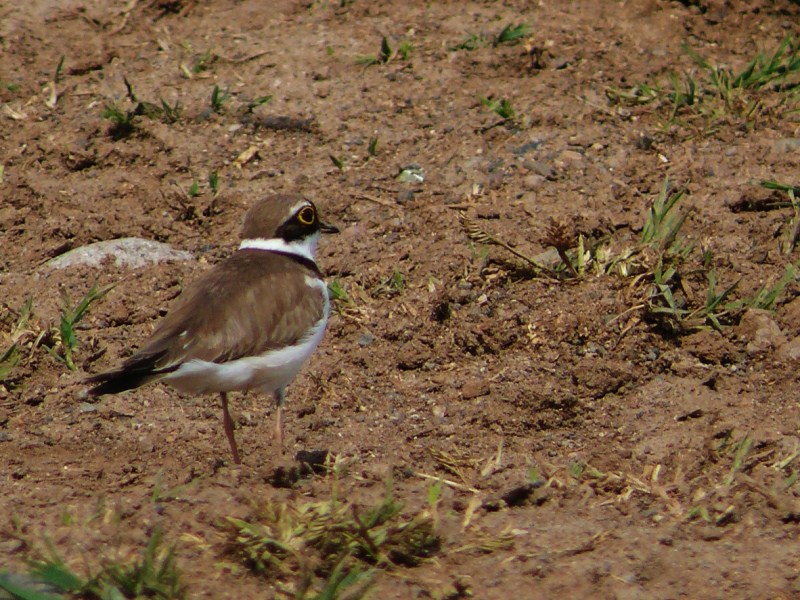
point(115, 382)
point(135, 372)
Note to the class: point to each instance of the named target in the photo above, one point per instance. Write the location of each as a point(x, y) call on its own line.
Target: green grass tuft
point(704, 101)
point(154, 574)
point(512, 34)
point(326, 546)
point(218, 99)
point(501, 107)
point(70, 317)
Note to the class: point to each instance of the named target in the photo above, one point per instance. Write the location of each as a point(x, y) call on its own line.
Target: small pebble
point(474, 388)
point(787, 145)
point(533, 182)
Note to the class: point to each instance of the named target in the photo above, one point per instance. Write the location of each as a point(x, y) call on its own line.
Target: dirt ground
point(604, 452)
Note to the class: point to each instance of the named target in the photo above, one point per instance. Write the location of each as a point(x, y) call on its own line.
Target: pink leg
point(280, 395)
point(228, 423)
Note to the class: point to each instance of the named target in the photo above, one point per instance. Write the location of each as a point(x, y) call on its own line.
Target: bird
point(249, 323)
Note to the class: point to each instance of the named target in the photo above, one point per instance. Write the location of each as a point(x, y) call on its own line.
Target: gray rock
point(760, 332)
point(787, 145)
point(571, 156)
point(527, 147)
point(790, 350)
point(124, 252)
point(539, 167)
point(533, 182)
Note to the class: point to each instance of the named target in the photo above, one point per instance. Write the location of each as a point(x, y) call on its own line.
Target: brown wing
point(221, 317)
point(223, 314)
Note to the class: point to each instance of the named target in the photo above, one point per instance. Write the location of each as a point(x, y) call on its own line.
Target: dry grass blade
point(331, 542)
point(487, 543)
point(477, 234)
point(587, 546)
point(448, 482)
point(456, 465)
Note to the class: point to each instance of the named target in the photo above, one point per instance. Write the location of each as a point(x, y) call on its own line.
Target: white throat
point(305, 247)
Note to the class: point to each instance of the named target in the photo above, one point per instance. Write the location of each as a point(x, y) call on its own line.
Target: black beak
point(328, 228)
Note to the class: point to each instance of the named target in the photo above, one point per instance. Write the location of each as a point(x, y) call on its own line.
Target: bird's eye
point(307, 215)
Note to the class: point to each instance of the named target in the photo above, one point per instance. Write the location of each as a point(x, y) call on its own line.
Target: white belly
point(268, 372)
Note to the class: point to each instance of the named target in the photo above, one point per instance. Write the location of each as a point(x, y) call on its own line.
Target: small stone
point(474, 388)
point(790, 350)
point(539, 167)
point(533, 182)
point(412, 356)
point(787, 145)
point(86, 407)
point(404, 196)
point(366, 339)
point(790, 317)
point(560, 63)
point(124, 252)
point(760, 332)
point(571, 156)
point(527, 147)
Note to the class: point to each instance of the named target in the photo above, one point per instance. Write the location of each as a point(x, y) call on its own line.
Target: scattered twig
point(449, 482)
point(126, 14)
point(587, 546)
point(380, 201)
point(244, 59)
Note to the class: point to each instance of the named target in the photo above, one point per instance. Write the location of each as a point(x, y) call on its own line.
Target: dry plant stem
point(364, 531)
point(126, 14)
point(486, 128)
point(476, 234)
point(567, 262)
point(248, 58)
point(449, 482)
point(791, 240)
point(541, 269)
point(376, 200)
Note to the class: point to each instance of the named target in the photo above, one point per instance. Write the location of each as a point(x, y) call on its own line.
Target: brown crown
point(267, 215)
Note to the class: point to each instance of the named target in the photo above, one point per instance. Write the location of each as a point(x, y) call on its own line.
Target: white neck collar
point(304, 247)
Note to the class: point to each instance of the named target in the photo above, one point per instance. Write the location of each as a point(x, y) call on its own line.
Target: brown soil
point(472, 358)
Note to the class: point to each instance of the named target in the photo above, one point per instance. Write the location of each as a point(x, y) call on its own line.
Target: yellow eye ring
point(306, 216)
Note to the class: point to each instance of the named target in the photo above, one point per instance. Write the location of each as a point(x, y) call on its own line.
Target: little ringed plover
point(248, 323)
